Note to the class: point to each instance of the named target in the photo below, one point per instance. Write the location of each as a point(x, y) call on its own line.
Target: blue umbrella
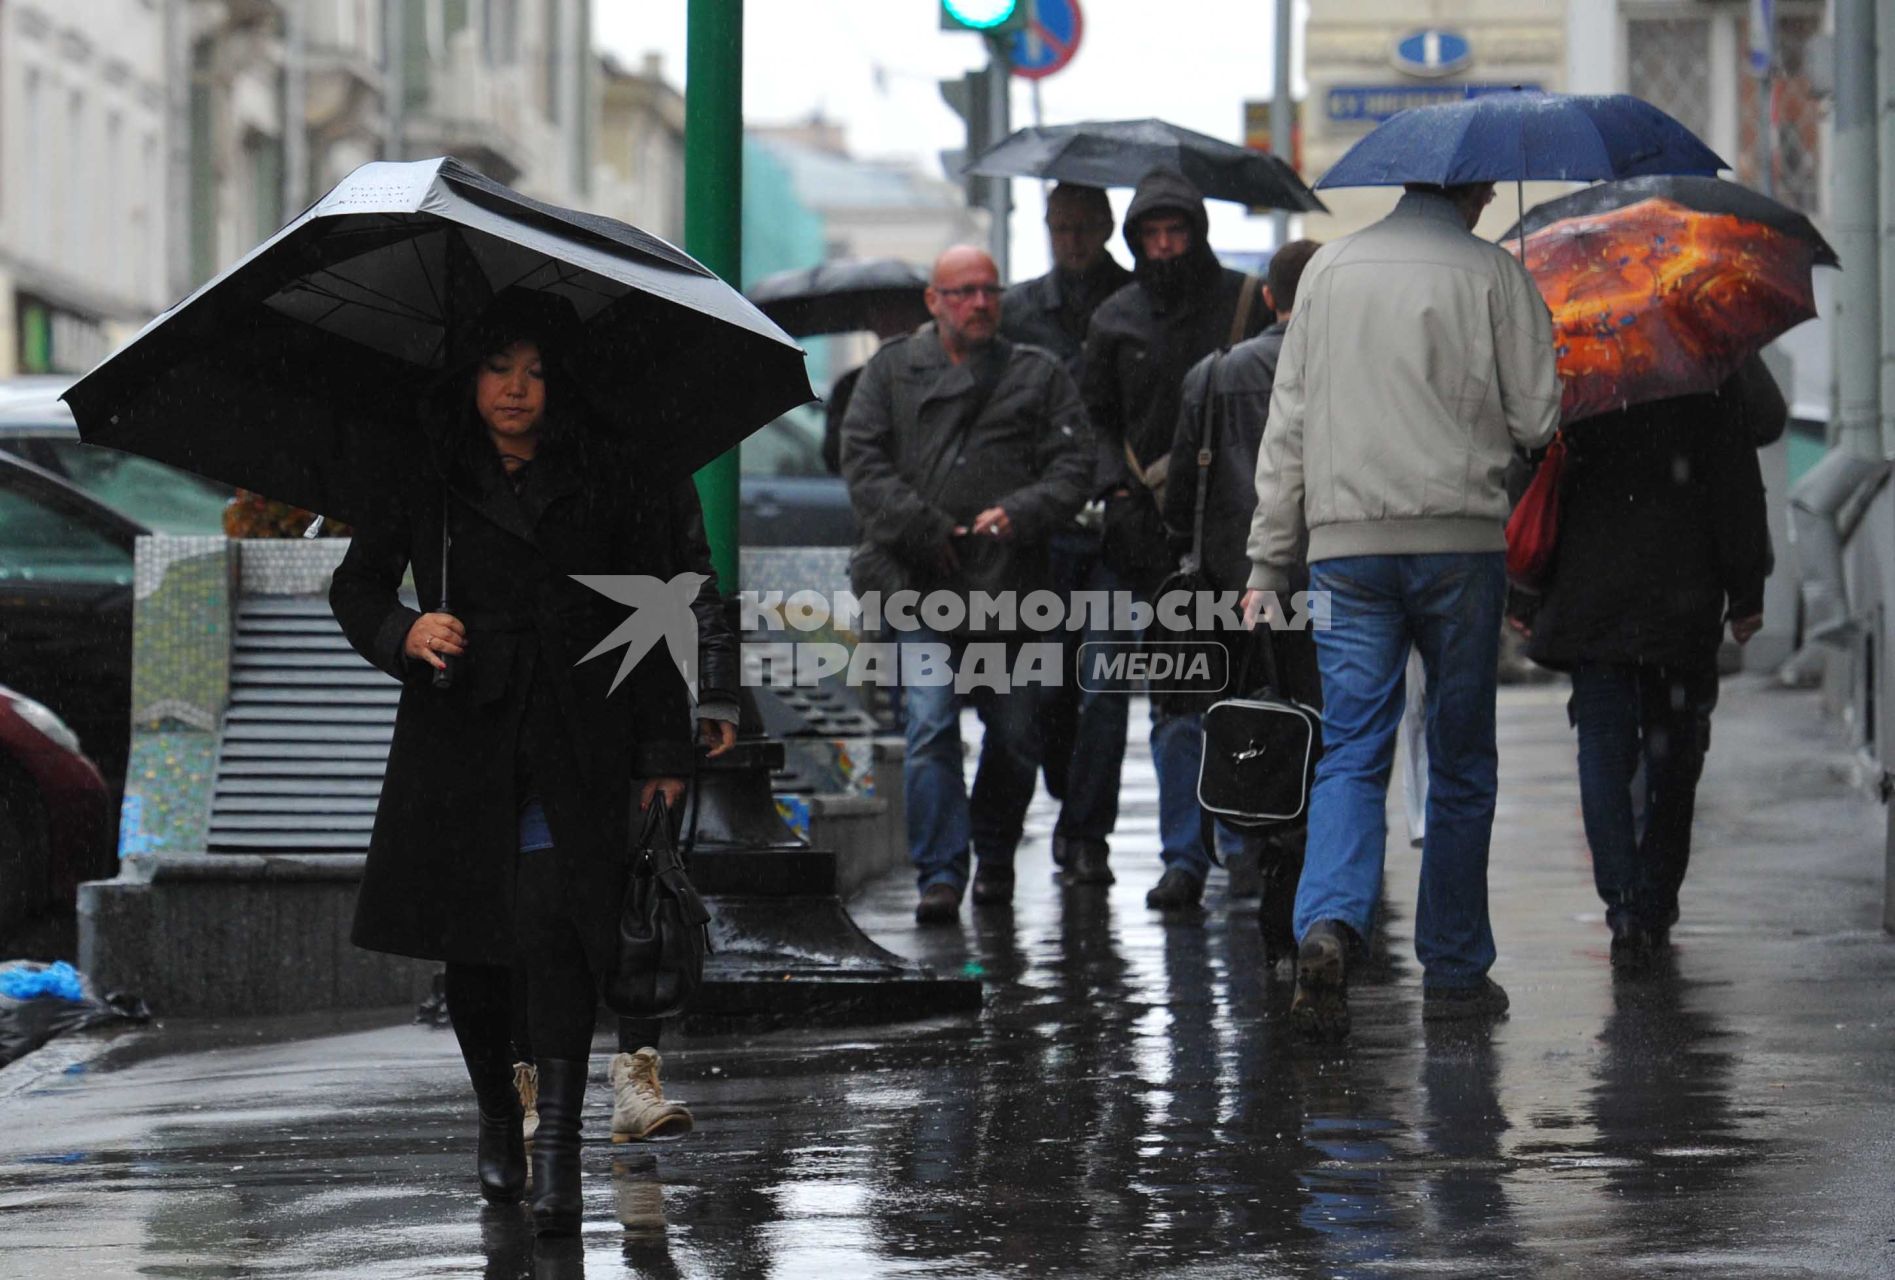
point(1524, 135)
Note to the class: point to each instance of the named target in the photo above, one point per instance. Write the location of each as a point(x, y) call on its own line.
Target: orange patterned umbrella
point(1656, 299)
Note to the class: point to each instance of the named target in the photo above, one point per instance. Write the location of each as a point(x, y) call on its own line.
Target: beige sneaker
point(526, 1082)
point(639, 1109)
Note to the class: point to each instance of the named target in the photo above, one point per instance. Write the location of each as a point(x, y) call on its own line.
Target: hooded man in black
point(1181, 306)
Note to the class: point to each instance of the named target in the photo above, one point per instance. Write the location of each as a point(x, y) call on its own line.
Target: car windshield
point(166, 500)
point(788, 446)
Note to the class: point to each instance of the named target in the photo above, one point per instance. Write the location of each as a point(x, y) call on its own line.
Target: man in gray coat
point(1419, 358)
point(963, 453)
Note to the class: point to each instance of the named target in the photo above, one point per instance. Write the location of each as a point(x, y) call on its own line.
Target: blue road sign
point(1432, 52)
point(1049, 39)
point(1374, 103)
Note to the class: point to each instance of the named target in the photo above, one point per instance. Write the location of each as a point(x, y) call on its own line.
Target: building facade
point(83, 215)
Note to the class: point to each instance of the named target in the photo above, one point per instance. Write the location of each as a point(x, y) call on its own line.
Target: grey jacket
point(1419, 357)
point(912, 477)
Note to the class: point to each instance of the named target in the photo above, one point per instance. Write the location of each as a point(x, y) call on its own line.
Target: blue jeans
point(943, 819)
point(1449, 608)
point(1088, 779)
point(1632, 720)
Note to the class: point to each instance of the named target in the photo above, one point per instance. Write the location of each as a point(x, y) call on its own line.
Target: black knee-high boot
point(478, 999)
point(557, 1203)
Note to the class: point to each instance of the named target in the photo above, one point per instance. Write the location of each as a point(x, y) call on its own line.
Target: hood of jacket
point(1168, 191)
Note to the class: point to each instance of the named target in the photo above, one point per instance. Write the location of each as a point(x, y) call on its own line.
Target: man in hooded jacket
point(1181, 306)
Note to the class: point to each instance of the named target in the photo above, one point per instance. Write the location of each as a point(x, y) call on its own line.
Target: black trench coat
point(521, 715)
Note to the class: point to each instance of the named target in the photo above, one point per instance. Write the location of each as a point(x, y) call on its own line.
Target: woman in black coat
point(502, 832)
point(1663, 539)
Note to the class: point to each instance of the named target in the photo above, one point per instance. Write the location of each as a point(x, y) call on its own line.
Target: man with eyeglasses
point(1052, 311)
point(963, 453)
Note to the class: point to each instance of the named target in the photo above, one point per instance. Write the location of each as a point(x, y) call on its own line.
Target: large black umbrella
point(1118, 153)
point(295, 372)
point(1705, 195)
point(879, 294)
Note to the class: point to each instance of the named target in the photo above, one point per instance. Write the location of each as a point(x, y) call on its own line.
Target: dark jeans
point(1637, 719)
point(1083, 730)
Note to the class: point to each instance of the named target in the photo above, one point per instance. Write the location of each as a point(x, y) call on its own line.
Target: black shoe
point(1086, 862)
point(1246, 880)
point(993, 886)
point(501, 1154)
point(1062, 850)
point(1176, 890)
point(557, 1203)
point(1320, 1007)
point(940, 904)
point(1638, 950)
point(1448, 1004)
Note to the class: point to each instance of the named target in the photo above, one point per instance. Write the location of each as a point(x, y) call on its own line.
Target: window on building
point(501, 34)
point(1668, 63)
point(1796, 115)
point(203, 166)
point(263, 161)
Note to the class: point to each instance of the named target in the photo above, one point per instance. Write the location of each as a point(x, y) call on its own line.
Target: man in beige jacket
point(1419, 357)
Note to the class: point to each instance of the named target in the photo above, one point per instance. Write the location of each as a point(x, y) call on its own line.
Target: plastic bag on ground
point(40, 1001)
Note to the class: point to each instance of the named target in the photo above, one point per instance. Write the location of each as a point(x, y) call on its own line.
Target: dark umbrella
point(294, 373)
point(1655, 299)
point(1523, 135)
point(883, 295)
point(1705, 195)
point(1118, 153)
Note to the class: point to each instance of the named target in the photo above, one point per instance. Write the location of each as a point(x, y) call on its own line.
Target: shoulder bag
point(664, 928)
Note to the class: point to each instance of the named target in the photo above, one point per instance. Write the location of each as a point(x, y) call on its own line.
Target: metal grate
point(1668, 63)
point(305, 737)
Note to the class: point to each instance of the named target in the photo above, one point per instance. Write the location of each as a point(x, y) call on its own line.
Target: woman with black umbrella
point(501, 834)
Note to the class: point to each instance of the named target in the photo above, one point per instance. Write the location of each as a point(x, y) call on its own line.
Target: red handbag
point(1533, 528)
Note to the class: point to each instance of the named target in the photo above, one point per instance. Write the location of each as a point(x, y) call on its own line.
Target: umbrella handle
point(444, 675)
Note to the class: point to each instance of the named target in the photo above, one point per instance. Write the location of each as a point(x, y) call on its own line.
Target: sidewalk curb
point(68, 1055)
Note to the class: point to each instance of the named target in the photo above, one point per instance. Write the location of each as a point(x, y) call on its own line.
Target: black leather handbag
point(1260, 750)
point(664, 928)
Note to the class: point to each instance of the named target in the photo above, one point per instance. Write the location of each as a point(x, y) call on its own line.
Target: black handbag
point(664, 928)
point(1260, 751)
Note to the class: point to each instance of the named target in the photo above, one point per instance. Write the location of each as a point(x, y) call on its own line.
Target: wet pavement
point(1129, 1102)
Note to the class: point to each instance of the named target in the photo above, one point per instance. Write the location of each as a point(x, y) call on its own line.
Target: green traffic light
point(981, 15)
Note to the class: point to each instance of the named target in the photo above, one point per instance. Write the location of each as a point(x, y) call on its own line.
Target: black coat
point(1052, 311)
point(1663, 531)
point(912, 479)
point(524, 716)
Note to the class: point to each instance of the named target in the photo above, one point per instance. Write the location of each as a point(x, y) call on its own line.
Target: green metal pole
point(713, 213)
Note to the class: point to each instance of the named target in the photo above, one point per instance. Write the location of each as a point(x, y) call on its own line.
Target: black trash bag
point(54, 999)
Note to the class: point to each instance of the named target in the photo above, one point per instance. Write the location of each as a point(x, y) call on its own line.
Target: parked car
point(787, 497)
point(66, 607)
point(55, 813)
point(34, 425)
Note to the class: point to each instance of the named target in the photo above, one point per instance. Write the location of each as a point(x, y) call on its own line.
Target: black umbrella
point(879, 294)
point(1117, 153)
point(1705, 195)
point(294, 373)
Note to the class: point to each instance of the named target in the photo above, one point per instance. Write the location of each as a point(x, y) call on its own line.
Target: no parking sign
point(1049, 39)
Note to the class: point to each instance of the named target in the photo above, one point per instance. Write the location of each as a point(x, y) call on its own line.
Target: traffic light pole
point(713, 214)
point(999, 107)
